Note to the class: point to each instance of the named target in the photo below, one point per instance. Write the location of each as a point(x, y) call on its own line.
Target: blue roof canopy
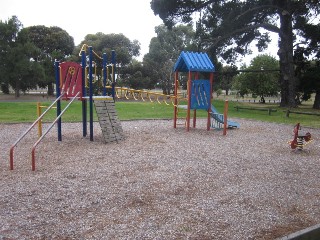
point(194, 62)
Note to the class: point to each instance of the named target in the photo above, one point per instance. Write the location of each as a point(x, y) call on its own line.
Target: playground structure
point(199, 91)
point(71, 85)
point(299, 141)
point(74, 79)
point(198, 95)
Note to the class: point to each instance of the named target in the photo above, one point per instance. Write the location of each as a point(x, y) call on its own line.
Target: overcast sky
point(133, 18)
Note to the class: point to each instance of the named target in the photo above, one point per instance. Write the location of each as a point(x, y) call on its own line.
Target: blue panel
point(200, 94)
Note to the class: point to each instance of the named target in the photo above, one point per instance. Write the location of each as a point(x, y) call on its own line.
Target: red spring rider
point(298, 141)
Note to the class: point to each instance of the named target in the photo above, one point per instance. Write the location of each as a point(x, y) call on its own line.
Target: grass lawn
point(15, 112)
point(279, 116)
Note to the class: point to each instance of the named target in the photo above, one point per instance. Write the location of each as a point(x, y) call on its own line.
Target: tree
point(308, 71)
point(55, 44)
point(225, 78)
point(309, 80)
point(105, 43)
point(228, 28)
point(311, 83)
point(17, 67)
point(164, 50)
point(260, 78)
point(134, 76)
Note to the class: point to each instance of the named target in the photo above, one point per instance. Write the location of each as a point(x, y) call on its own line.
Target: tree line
point(226, 29)
point(27, 54)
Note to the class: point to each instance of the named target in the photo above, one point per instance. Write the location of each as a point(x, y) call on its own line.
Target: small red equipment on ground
point(300, 141)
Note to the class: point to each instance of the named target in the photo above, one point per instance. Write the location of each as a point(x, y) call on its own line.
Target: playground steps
point(109, 121)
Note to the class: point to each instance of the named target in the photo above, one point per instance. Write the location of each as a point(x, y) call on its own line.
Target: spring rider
point(299, 141)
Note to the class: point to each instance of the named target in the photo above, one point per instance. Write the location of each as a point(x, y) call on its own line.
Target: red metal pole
point(196, 77)
point(175, 107)
point(33, 159)
point(189, 100)
point(26, 132)
point(210, 102)
point(11, 158)
point(225, 114)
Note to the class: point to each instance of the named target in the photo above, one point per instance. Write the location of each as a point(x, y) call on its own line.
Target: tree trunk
point(17, 89)
point(316, 103)
point(288, 81)
point(50, 89)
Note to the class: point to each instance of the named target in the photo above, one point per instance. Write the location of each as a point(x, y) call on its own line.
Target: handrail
point(149, 97)
point(28, 130)
point(117, 94)
point(84, 48)
point(141, 95)
point(148, 94)
point(164, 100)
point(133, 94)
point(125, 94)
point(158, 98)
point(33, 160)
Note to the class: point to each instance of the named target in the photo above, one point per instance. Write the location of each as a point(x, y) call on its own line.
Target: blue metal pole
point(57, 75)
point(113, 60)
point(104, 65)
point(84, 101)
point(90, 93)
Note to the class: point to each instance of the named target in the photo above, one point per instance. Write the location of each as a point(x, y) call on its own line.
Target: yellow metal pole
point(86, 76)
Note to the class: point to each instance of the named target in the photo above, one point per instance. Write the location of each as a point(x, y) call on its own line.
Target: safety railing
point(29, 129)
point(33, 160)
point(143, 95)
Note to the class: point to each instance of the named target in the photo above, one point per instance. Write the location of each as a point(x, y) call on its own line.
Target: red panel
point(70, 79)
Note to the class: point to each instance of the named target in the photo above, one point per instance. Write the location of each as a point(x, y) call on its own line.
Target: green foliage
point(18, 67)
point(219, 92)
point(54, 44)
point(261, 78)
point(134, 76)
point(105, 43)
point(4, 88)
point(226, 28)
point(164, 50)
point(310, 83)
point(308, 73)
point(28, 54)
point(225, 78)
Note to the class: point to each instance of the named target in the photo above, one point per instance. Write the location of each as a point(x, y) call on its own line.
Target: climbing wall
point(109, 121)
